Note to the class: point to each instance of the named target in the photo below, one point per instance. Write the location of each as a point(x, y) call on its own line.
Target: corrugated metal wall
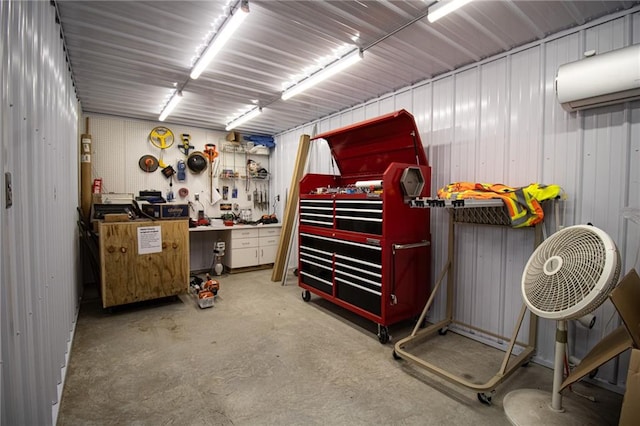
point(39, 249)
point(499, 121)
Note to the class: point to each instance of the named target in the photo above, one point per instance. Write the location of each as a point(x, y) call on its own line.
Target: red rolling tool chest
point(360, 244)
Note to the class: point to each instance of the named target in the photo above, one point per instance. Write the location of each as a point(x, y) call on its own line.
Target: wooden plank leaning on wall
point(290, 209)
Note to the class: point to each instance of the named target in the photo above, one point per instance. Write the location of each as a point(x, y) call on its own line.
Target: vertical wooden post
point(290, 209)
point(85, 172)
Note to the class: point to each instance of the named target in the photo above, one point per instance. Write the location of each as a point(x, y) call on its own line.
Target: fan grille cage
point(570, 274)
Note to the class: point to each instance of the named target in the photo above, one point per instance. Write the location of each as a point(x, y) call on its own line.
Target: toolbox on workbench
point(166, 210)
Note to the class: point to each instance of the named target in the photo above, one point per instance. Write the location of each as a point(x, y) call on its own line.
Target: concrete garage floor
point(262, 356)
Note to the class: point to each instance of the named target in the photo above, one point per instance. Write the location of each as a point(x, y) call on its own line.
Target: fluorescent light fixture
point(244, 118)
point(444, 7)
point(229, 27)
point(173, 102)
point(324, 73)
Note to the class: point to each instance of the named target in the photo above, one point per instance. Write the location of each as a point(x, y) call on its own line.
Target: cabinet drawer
point(269, 241)
point(269, 232)
point(244, 243)
point(244, 233)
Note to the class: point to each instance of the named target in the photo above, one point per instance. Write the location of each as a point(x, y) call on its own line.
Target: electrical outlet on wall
point(196, 196)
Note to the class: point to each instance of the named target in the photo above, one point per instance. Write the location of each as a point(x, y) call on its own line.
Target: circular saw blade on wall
point(148, 163)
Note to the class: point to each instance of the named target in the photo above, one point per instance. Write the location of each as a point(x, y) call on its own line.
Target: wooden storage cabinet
point(251, 246)
point(127, 276)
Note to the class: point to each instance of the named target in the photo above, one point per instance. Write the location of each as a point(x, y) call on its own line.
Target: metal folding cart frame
point(479, 212)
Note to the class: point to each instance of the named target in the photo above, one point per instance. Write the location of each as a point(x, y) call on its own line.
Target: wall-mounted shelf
point(256, 179)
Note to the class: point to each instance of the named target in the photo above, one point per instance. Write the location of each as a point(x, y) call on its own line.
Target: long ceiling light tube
point(229, 27)
point(321, 75)
point(173, 102)
point(244, 118)
point(444, 7)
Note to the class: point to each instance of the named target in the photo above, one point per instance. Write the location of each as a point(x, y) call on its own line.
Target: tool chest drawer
point(354, 268)
point(358, 275)
point(317, 213)
point(316, 262)
point(359, 216)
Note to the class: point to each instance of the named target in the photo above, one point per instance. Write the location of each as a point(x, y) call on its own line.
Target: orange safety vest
point(523, 204)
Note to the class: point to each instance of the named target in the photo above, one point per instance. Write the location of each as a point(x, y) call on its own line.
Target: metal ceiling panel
point(128, 56)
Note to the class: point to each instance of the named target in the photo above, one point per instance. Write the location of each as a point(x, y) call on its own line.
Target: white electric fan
point(569, 275)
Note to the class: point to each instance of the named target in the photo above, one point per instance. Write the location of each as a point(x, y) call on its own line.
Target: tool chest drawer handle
point(410, 246)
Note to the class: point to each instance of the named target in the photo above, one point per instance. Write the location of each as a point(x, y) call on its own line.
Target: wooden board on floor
point(290, 208)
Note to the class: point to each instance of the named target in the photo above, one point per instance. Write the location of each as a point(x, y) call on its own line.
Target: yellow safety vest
point(523, 204)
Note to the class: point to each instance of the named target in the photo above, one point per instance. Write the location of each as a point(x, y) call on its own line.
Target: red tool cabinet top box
point(362, 247)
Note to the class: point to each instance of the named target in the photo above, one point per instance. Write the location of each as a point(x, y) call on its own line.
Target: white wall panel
point(358, 114)
point(440, 135)
point(386, 105)
point(523, 152)
point(525, 130)
point(465, 109)
point(403, 100)
point(499, 121)
point(372, 110)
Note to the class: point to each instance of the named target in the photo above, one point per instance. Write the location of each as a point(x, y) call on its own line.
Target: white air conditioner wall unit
point(605, 79)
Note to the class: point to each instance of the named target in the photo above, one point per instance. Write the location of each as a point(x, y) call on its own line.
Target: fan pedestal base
point(533, 407)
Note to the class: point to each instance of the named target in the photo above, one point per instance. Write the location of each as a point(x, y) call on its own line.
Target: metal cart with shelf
point(475, 212)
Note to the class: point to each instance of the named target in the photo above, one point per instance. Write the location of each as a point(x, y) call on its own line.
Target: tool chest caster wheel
point(306, 295)
point(383, 335)
point(485, 398)
point(443, 331)
point(396, 356)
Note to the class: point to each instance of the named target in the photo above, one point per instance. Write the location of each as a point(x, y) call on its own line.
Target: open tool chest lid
point(367, 148)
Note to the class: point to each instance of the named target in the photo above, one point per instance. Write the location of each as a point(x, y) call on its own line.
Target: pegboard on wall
point(120, 144)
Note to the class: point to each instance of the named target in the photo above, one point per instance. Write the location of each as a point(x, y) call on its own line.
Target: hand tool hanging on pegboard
point(211, 153)
point(161, 137)
point(148, 163)
point(255, 196)
point(85, 172)
point(186, 144)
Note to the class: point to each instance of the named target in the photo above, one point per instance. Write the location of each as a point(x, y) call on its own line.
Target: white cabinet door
point(241, 257)
point(268, 246)
point(268, 254)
